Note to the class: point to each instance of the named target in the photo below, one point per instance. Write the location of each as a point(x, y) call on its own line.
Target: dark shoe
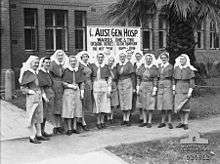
point(141, 121)
point(85, 128)
point(76, 131)
point(180, 125)
point(42, 138)
point(46, 134)
point(149, 125)
point(34, 141)
point(110, 121)
point(128, 123)
point(170, 126)
point(60, 130)
point(123, 123)
point(143, 124)
point(55, 130)
point(99, 126)
point(69, 132)
point(186, 127)
point(103, 125)
point(161, 125)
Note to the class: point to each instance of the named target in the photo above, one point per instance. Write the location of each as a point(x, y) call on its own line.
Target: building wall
point(19, 54)
point(5, 35)
point(13, 52)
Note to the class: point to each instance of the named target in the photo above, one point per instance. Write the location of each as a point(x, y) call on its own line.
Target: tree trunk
point(180, 39)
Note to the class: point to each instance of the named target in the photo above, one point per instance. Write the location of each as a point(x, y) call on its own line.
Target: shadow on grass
point(165, 151)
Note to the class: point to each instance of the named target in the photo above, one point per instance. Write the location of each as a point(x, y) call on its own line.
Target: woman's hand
point(82, 94)
point(154, 91)
point(31, 92)
point(190, 93)
point(73, 86)
point(137, 89)
point(174, 87)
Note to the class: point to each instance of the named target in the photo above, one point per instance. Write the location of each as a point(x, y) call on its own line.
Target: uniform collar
point(43, 69)
point(33, 71)
point(164, 65)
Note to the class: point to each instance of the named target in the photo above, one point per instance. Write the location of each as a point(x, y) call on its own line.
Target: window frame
point(149, 28)
point(83, 28)
point(213, 36)
point(30, 27)
point(55, 27)
point(200, 30)
point(164, 30)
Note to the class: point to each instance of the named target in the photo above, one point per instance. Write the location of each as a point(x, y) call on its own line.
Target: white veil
point(27, 66)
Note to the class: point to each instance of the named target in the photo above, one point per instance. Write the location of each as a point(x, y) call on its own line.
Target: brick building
point(41, 26)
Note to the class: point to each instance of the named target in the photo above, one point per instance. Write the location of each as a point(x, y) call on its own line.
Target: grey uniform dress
point(147, 80)
point(34, 103)
point(56, 72)
point(184, 79)
point(165, 88)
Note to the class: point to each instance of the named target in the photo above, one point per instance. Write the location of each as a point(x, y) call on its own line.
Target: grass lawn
point(166, 151)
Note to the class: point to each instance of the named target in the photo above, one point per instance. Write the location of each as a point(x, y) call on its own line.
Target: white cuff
point(44, 96)
point(174, 87)
point(109, 89)
point(155, 89)
point(190, 91)
point(31, 92)
point(82, 93)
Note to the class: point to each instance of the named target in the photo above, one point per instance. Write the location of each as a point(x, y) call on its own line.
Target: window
point(199, 36)
point(162, 32)
point(214, 37)
point(56, 36)
point(30, 29)
point(147, 33)
point(80, 30)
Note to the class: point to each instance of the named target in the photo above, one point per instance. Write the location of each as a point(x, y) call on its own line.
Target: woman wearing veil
point(137, 62)
point(29, 83)
point(46, 83)
point(165, 90)
point(114, 85)
point(184, 82)
point(147, 88)
point(73, 81)
point(101, 78)
point(125, 75)
point(58, 60)
point(83, 58)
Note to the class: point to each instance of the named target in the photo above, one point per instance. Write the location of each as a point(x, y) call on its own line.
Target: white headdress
point(26, 66)
point(67, 64)
point(79, 57)
point(141, 61)
point(119, 61)
point(154, 61)
point(54, 57)
point(177, 62)
point(40, 67)
point(105, 60)
point(114, 64)
point(159, 61)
